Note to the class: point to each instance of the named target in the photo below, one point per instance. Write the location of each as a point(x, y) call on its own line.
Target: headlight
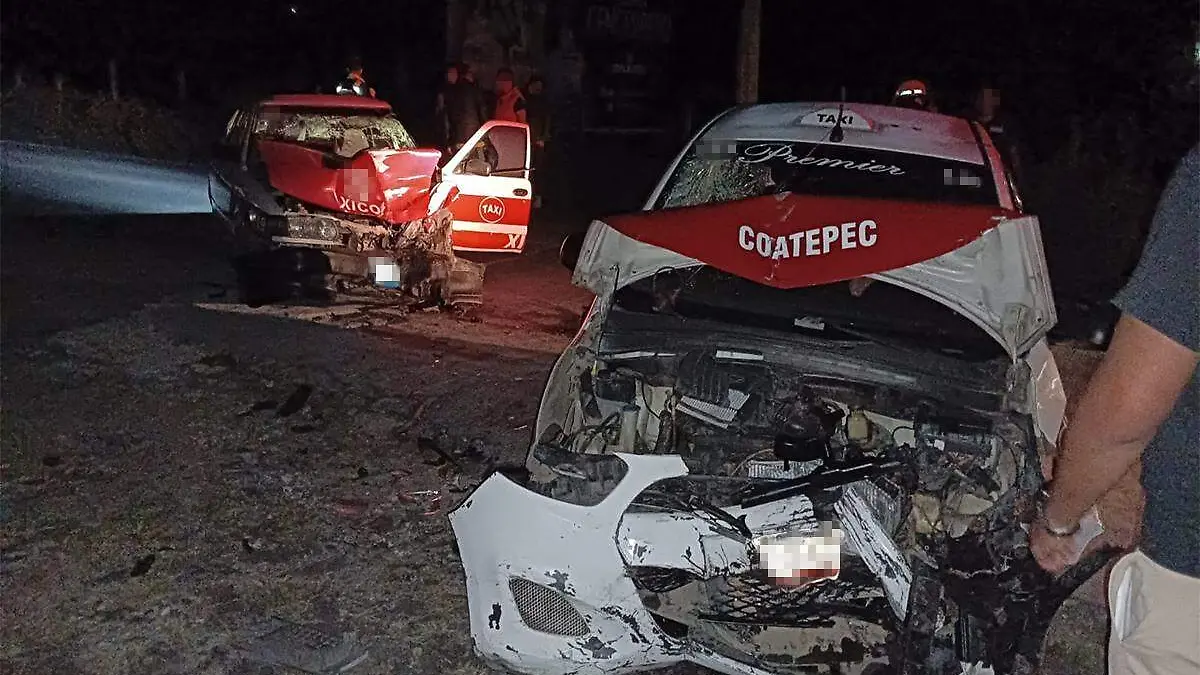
point(583, 480)
point(308, 227)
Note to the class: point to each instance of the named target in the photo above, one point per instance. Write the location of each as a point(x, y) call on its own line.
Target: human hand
point(1056, 554)
point(1053, 554)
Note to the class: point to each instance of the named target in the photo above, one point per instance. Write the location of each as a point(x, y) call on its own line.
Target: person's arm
point(482, 106)
point(1132, 392)
point(1149, 363)
point(519, 109)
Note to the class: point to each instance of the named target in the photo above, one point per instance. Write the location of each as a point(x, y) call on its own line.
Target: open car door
point(493, 198)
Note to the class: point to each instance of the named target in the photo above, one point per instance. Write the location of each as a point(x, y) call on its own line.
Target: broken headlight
point(574, 478)
point(311, 227)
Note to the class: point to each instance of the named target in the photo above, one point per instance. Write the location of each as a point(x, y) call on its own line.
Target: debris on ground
point(295, 402)
point(142, 566)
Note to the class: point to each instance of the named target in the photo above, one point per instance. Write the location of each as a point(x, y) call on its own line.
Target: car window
point(322, 129)
point(503, 149)
point(727, 171)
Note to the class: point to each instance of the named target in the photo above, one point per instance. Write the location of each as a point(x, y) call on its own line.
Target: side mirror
point(477, 167)
point(568, 253)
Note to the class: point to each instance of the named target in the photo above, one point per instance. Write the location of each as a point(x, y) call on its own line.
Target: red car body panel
point(791, 241)
point(392, 185)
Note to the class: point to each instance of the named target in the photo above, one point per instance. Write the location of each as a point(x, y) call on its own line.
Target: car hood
point(391, 185)
point(985, 263)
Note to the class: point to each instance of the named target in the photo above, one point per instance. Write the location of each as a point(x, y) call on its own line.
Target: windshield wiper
point(870, 337)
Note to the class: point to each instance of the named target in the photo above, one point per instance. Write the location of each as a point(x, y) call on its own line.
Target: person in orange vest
point(914, 94)
point(355, 82)
point(510, 102)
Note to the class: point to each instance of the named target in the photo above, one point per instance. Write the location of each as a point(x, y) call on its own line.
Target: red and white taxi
point(341, 175)
point(800, 428)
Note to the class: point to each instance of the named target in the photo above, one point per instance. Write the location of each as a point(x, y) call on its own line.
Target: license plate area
point(798, 559)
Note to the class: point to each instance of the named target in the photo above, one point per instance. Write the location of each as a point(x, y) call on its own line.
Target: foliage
point(94, 122)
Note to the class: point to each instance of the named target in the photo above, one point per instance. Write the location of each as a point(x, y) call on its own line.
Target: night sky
point(1054, 59)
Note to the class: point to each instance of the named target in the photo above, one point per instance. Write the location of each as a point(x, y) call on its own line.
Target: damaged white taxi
point(800, 429)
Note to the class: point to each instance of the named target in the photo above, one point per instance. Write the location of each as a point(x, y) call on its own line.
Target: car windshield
point(322, 129)
point(719, 171)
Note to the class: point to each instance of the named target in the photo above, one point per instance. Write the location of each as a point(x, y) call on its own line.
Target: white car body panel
point(593, 545)
point(998, 281)
point(622, 636)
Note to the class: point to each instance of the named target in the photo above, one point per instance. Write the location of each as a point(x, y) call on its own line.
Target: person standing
point(914, 95)
point(510, 102)
point(355, 81)
point(439, 106)
point(537, 112)
point(465, 111)
point(988, 111)
point(1143, 403)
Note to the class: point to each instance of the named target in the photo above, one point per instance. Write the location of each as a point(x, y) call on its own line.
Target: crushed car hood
point(391, 185)
point(985, 263)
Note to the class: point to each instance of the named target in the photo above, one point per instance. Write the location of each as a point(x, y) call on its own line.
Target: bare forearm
point(1131, 393)
point(1082, 477)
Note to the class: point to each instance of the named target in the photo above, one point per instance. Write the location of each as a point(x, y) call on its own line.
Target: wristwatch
point(1044, 520)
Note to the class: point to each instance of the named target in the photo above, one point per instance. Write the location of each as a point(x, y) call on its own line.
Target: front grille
point(754, 599)
point(546, 610)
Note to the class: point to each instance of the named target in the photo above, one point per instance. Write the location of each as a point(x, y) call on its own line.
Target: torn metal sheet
point(867, 537)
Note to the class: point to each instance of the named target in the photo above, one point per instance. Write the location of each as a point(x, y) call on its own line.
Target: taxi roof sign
point(828, 117)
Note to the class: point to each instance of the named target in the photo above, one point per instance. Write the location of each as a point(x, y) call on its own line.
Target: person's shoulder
point(1184, 186)
point(1190, 166)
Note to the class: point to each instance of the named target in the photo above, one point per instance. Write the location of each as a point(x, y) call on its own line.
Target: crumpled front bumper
point(547, 581)
point(418, 256)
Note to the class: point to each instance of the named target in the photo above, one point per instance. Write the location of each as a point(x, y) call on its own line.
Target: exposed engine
point(931, 494)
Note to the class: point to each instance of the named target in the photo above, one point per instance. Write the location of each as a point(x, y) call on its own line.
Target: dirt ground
point(181, 473)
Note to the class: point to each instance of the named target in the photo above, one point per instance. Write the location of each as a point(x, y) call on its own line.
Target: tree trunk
point(537, 35)
point(112, 79)
point(748, 50)
point(181, 84)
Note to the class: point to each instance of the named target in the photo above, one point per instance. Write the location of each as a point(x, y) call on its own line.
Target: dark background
point(1054, 60)
point(1103, 93)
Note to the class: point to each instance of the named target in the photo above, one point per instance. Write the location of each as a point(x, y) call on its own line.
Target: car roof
point(327, 101)
point(893, 129)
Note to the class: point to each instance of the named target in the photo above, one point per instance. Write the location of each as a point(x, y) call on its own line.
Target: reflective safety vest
point(508, 104)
